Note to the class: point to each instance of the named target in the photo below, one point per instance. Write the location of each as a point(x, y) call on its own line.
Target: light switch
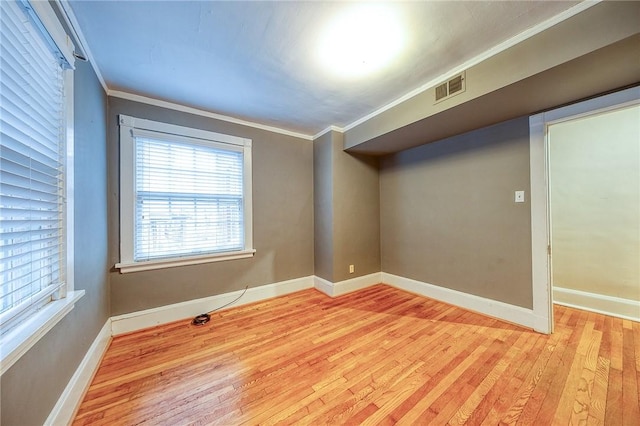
point(519, 196)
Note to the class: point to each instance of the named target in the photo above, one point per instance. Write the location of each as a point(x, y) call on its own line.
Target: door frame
point(539, 193)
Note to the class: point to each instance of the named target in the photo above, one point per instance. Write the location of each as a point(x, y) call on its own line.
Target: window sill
point(17, 342)
point(182, 261)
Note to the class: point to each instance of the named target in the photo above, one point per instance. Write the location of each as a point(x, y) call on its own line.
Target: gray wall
point(356, 207)
point(323, 206)
point(347, 206)
point(32, 386)
point(448, 215)
point(282, 218)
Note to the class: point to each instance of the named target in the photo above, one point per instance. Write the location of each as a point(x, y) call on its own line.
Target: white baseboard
point(346, 286)
point(134, 321)
point(323, 285)
point(358, 283)
point(492, 308)
point(65, 409)
point(607, 305)
point(489, 307)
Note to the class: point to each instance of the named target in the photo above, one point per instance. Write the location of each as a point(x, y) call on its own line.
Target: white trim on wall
point(135, 321)
point(323, 285)
point(130, 322)
point(64, 4)
point(489, 307)
point(580, 7)
point(21, 339)
point(346, 286)
point(540, 259)
point(67, 406)
point(195, 111)
point(328, 129)
point(600, 303)
point(68, 10)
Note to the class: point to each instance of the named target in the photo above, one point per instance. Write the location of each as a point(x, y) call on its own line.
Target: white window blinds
point(185, 196)
point(32, 159)
point(189, 198)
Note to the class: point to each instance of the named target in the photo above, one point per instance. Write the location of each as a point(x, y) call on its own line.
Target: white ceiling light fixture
point(362, 40)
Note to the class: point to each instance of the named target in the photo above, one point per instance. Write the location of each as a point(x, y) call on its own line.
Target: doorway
point(594, 210)
point(550, 228)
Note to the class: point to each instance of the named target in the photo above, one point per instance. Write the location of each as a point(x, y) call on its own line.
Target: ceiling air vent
point(441, 91)
point(450, 88)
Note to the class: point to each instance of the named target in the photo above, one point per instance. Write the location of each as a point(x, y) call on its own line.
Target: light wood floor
point(376, 356)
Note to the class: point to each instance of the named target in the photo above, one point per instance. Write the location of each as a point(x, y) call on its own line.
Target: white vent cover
point(451, 87)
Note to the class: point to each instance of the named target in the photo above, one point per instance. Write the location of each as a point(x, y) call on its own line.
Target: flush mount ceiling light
point(362, 40)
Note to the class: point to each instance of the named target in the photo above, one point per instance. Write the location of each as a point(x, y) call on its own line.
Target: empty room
point(319, 212)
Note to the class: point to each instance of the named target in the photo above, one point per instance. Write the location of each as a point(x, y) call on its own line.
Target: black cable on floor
point(202, 319)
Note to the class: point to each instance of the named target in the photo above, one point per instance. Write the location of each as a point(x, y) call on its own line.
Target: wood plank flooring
point(376, 356)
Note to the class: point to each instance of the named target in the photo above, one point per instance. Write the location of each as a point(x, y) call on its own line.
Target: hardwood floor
point(376, 356)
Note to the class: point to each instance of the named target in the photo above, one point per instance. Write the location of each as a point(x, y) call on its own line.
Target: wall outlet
point(352, 269)
point(519, 197)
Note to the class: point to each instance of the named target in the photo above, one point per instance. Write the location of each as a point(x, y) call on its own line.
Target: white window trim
point(129, 127)
point(21, 338)
point(18, 341)
point(52, 25)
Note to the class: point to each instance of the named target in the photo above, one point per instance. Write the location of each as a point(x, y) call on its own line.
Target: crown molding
point(68, 10)
point(195, 111)
point(580, 7)
point(327, 130)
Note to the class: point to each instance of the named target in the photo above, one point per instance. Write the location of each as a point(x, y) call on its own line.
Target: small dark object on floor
point(201, 319)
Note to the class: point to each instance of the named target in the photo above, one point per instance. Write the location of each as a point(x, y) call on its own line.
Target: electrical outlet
point(352, 269)
point(519, 197)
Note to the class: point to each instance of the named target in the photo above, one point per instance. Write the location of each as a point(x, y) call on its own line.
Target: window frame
point(37, 321)
point(128, 128)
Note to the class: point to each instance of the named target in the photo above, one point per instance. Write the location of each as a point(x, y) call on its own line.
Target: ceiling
point(257, 61)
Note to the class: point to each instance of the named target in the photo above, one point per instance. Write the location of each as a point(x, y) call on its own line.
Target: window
point(36, 175)
point(185, 196)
